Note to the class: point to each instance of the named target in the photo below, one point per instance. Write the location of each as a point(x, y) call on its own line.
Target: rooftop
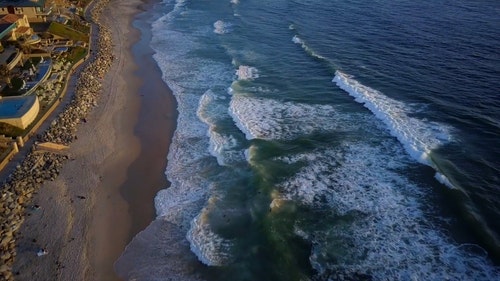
point(22, 29)
point(10, 18)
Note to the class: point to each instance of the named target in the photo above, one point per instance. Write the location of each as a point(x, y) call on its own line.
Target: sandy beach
point(104, 193)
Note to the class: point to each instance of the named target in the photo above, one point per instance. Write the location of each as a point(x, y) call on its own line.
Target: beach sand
point(104, 193)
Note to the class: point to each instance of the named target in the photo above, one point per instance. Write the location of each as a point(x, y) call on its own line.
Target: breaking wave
point(269, 119)
point(419, 137)
point(377, 222)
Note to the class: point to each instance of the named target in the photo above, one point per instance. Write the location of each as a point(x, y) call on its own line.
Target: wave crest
point(247, 72)
point(417, 136)
point(209, 247)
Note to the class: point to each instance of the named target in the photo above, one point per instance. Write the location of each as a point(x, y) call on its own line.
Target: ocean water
point(327, 140)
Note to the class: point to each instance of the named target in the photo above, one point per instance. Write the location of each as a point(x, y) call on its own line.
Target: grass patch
point(79, 26)
point(65, 31)
point(76, 54)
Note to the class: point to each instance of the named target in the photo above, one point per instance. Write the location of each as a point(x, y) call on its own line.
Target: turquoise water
point(321, 140)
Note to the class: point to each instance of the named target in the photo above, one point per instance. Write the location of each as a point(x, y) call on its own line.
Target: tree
point(5, 74)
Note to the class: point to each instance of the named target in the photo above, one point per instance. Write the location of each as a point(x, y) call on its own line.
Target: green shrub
point(76, 54)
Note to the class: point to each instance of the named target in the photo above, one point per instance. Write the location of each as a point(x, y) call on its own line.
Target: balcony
point(10, 57)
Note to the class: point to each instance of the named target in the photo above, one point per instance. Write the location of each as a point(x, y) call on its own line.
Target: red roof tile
point(10, 18)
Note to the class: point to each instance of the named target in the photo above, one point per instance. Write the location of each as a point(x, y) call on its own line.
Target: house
point(35, 10)
point(13, 27)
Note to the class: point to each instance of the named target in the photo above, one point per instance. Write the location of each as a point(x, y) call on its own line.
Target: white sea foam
point(223, 146)
point(247, 72)
point(188, 191)
point(184, 199)
point(186, 196)
point(194, 128)
point(349, 180)
point(179, 204)
point(417, 136)
point(209, 247)
point(297, 40)
point(270, 119)
point(211, 108)
point(222, 27)
point(388, 238)
point(197, 138)
point(248, 153)
point(292, 159)
point(190, 139)
point(444, 180)
point(386, 234)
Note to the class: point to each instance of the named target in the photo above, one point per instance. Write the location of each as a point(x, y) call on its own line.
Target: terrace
point(19, 111)
point(10, 57)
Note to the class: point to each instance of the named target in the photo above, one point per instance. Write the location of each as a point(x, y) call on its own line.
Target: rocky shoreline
point(18, 190)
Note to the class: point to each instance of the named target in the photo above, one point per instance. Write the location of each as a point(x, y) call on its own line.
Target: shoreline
point(104, 193)
point(158, 106)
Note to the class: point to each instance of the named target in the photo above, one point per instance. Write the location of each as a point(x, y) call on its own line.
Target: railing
point(15, 60)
